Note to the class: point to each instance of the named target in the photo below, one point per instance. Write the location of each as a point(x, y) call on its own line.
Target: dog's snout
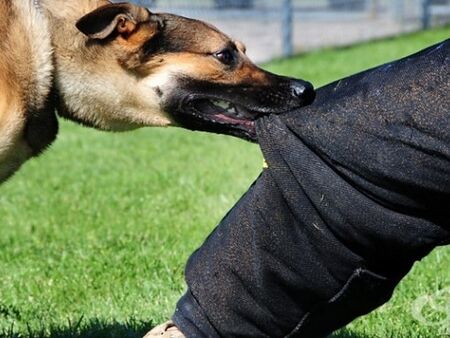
point(303, 90)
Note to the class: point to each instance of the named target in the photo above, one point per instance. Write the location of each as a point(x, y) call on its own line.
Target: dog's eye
point(225, 56)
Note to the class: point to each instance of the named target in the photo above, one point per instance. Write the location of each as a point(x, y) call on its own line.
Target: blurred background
point(280, 28)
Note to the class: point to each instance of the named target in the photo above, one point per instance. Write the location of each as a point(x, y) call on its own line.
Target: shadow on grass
point(96, 328)
point(344, 333)
point(88, 329)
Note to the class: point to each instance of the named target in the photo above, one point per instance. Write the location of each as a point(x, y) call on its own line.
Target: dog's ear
point(122, 18)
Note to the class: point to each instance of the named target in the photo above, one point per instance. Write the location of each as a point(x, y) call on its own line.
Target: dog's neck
point(68, 45)
point(94, 89)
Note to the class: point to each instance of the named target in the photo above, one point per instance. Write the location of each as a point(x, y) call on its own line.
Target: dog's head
point(200, 78)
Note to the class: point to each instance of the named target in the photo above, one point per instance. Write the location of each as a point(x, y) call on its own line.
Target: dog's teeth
point(231, 109)
point(244, 113)
point(221, 104)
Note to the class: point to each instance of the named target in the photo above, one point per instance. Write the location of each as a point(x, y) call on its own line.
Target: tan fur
point(203, 67)
point(26, 69)
point(98, 89)
point(90, 83)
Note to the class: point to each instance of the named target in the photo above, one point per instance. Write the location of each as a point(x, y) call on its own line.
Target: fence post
point(288, 27)
point(374, 8)
point(426, 14)
point(399, 11)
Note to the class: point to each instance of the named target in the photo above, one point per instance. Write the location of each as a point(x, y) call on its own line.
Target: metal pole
point(426, 14)
point(375, 8)
point(288, 27)
point(399, 10)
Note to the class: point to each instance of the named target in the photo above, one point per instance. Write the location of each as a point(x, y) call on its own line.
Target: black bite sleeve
point(357, 190)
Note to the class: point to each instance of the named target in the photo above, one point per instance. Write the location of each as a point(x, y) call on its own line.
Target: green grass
point(95, 233)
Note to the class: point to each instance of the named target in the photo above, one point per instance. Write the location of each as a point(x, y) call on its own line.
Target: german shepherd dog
point(119, 67)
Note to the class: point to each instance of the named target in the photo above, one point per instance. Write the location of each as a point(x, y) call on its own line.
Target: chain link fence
point(274, 28)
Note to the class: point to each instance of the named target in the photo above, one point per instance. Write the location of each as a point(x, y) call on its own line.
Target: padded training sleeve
point(357, 190)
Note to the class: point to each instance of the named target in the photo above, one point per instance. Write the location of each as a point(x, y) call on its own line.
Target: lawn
point(95, 233)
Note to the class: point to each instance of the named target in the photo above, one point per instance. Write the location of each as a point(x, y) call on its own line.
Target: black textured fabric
point(357, 190)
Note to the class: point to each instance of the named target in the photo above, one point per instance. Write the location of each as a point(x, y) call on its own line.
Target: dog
point(118, 67)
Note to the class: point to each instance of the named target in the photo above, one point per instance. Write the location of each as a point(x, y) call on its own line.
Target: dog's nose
point(303, 90)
